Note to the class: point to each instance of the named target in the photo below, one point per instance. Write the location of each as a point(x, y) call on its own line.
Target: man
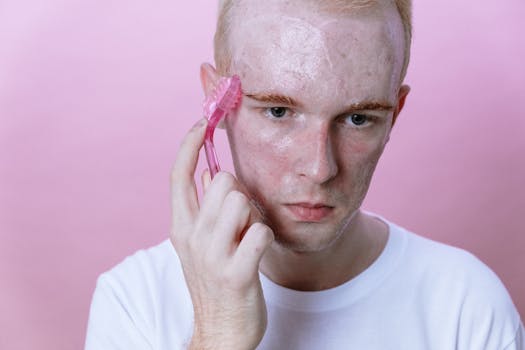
point(281, 256)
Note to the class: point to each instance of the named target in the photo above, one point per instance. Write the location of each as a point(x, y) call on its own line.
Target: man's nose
point(317, 159)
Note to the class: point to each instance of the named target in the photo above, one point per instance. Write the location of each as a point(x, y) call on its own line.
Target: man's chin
point(304, 243)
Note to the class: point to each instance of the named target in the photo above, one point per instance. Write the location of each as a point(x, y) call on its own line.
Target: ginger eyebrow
point(274, 99)
point(288, 101)
point(369, 106)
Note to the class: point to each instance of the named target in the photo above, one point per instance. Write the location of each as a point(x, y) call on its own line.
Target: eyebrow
point(370, 106)
point(274, 98)
point(287, 100)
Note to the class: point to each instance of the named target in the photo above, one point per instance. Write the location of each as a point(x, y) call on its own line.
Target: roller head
point(226, 96)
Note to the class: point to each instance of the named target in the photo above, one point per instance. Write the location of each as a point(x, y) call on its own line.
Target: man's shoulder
point(442, 270)
point(141, 295)
point(145, 265)
point(430, 255)
point(140, 276)
point(456, 280)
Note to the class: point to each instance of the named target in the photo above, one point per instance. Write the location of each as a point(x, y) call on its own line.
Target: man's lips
point(309, 212)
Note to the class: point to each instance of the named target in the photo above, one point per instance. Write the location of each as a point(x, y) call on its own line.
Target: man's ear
point(401, 97)
point(209, 78)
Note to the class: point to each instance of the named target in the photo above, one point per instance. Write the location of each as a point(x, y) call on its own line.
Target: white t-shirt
point(418, 294)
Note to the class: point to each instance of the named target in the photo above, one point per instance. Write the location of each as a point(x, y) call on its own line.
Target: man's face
point(319, 96)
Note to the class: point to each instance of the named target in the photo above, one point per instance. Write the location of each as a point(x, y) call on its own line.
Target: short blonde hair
point(222, 52)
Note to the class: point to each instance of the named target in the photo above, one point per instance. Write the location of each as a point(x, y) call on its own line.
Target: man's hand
point(220, 244)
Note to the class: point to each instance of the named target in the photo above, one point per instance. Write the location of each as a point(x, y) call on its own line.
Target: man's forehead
point(287, 48)
point(275, 47)
point(307, 17)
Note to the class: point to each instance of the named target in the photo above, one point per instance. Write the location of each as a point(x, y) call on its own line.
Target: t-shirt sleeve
point(112, 324)
point(519, 341)
point(489, 318)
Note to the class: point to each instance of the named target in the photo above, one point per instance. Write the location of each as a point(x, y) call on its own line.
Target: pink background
point(94, 99)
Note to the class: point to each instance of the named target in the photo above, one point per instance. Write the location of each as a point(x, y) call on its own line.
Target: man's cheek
point(365, 147)
point(267, 147)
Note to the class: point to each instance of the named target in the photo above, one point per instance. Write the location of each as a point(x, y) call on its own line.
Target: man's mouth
point(309, 212)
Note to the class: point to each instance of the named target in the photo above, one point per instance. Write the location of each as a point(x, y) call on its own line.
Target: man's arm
point(220, 244)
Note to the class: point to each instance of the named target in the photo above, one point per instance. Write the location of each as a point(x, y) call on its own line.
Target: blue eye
point(277, 112)
point(358, 119)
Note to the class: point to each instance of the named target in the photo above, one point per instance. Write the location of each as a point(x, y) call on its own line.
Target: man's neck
point(355, 250)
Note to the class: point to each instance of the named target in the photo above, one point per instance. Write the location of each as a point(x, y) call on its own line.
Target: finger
point(256, 214)
point(222, 184)
point(184, 193)
point(205, 179)
point(254, 217)
point(232, 221)
point(254, 244)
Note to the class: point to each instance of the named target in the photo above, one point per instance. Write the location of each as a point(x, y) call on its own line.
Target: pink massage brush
point(225, 97)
